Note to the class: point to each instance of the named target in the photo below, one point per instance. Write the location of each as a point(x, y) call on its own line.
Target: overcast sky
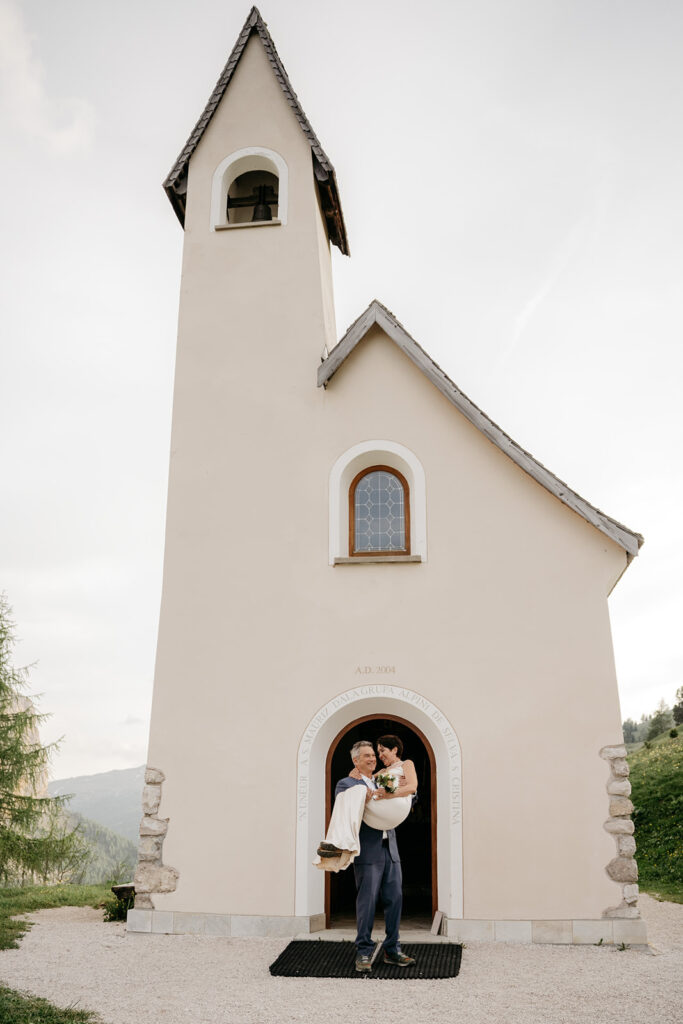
point(510, 172)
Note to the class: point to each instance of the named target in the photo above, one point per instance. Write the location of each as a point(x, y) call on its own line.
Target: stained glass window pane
point(379, 513)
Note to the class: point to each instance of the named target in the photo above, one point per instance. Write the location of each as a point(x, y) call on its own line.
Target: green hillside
point(113, 856)
point(657, 780)
point(112, 799)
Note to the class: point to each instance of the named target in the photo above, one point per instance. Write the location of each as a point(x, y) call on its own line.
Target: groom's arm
point(347, 783)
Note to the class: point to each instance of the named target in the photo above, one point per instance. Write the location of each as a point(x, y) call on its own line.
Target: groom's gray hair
point(355, 749)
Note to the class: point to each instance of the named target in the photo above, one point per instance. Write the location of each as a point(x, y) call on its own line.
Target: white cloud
point(64, 125)
point(557, 265)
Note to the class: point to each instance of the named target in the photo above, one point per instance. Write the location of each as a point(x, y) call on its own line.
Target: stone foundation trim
point(173, 922)
point(578, 932)
point(567, 933)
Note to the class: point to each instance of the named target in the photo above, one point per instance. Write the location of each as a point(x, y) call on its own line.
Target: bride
point(389, 804)
point(402, 778)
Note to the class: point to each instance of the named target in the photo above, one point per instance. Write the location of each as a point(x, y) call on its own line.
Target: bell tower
point(257, 198)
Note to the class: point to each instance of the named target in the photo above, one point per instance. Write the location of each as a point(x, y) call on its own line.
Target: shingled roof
point(378, 314)
point(176, 182)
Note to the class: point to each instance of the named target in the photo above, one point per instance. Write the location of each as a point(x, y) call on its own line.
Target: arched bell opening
point(416, 837)
point(252, 197)
point(250, 186)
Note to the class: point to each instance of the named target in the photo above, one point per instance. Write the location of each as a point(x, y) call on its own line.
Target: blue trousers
point(383, 879)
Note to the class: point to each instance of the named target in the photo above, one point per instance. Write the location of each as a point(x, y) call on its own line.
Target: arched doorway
point(416, 836)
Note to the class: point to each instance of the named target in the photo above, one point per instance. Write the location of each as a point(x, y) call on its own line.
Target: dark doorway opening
point(416, 837)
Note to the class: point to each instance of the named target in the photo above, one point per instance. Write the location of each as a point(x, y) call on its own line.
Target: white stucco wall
point(504, 629)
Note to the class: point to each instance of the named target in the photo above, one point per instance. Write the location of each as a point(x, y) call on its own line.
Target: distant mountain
point(112, 799)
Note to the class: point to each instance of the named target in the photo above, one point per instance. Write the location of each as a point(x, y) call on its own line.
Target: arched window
point(379, 513)
point(250, 186)
point(355, 463)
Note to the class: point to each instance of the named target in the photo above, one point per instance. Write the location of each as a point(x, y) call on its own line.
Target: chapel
point(354, 548)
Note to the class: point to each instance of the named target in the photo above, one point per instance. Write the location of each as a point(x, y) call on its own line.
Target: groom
point(378, 872)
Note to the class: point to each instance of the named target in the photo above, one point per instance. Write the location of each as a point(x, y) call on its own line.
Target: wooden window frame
point(352, 514)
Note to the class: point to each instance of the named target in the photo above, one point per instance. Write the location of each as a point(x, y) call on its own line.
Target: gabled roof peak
point(377, 313)
point(175, 184)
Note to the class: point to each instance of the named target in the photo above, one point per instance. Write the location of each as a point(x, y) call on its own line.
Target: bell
point(261, 207)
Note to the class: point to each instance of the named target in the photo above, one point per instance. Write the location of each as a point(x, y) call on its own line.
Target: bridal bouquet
point(387, 781)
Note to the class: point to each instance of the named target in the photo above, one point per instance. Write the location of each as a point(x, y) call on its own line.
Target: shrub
point(673, 733)
point(657, 795)
point(116, 908)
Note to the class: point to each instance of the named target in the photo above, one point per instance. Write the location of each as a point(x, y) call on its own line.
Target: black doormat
point(310, 959)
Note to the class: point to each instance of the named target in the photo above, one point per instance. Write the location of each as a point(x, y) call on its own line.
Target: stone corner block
point(317, 923)
point(619, 826)
point(608, 753)
point(626, 845)
point(630, 893)
point(620, 806)
point(153, 826)
point(155, 878)
point(151, 798)
point(623, 869)
point(139, 921)
point(632, 933)
point(622, 911)
point(149, 848)
point(619, 787)
point(620, 767)
point(552, 931)
point(153, 776)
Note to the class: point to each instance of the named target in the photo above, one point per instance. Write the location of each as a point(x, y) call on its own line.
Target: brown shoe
point(398, 959)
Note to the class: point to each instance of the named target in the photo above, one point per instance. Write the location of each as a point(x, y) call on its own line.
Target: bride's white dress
point(350, 809)
point(388, 813)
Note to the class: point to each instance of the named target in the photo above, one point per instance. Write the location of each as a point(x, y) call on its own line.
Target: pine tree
point(630, 730)
point(661, 720)
point(678, 706)
point(35, 836)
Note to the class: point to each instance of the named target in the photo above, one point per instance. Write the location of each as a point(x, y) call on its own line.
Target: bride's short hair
point(390, 742)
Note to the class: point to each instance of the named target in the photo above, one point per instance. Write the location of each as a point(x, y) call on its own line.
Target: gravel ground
point(73, 958)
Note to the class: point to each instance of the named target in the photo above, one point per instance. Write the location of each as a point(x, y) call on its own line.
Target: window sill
point(248, 224)
point(375, 560)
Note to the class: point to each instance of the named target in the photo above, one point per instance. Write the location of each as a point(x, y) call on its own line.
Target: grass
point(657, 781)
point(662, 737)
point(665, 893)
point(18, 1008)
point(42, 897)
